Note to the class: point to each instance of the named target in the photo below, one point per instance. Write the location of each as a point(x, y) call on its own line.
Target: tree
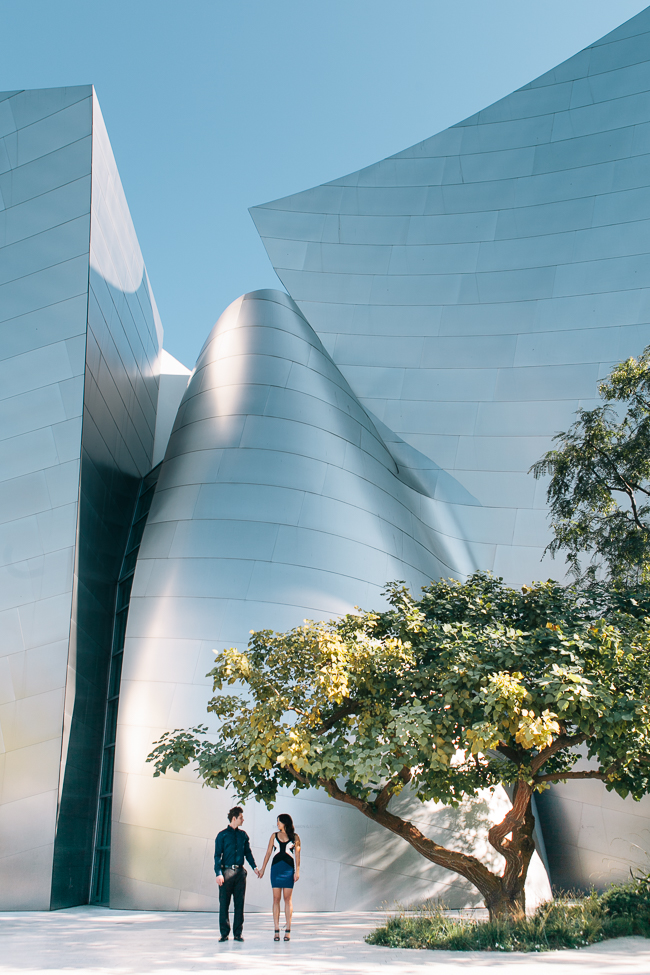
point(471, 686)
point(599, 492)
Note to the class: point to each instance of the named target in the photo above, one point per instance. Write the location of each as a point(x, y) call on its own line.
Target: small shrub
point(629, 900)
point(566, 922)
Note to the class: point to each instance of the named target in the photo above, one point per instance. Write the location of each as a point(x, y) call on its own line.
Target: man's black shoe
point(238, 937)
point(224, 939)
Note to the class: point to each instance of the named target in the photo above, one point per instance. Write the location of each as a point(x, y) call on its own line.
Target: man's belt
point(234, 866)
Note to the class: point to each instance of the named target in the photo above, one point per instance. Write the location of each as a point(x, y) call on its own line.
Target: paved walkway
point(89, 939)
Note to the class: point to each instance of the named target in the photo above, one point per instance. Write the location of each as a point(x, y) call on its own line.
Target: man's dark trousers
point(234, 885)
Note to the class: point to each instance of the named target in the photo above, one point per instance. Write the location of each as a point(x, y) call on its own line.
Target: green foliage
point(472, 685)
point(629, 900)
point(599, 492)
point(567, 922)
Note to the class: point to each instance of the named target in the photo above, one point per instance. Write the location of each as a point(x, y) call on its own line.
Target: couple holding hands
point(232, 846)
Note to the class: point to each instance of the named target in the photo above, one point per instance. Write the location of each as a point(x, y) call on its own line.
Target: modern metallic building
point(80, 357)
point(448, 310)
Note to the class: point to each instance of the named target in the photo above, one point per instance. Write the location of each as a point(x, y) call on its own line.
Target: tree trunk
point(507, 905)
point(504, 895)
point(517, 850)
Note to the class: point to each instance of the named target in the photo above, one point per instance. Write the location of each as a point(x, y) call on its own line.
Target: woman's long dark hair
point(287, 822)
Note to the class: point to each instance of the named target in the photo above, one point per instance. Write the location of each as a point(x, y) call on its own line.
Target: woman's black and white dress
point(283, 864)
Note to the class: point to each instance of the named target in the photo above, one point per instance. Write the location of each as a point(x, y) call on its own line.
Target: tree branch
point(510, 753)
point(298, 776)
point(568, 776)
point(635, 513)
point(562, 741)
point(348, 708)
point(513, 821)
point(387, 793)
point(627, 489)
point(489, 884)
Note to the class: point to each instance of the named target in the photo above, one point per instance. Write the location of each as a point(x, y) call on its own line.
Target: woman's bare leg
point(277, 893)
point(288, 906)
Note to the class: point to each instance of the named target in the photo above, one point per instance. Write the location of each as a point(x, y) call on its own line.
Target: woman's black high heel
point(277, 934)
point(287, 934)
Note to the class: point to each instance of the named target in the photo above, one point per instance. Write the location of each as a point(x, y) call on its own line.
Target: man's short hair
point(234, 813)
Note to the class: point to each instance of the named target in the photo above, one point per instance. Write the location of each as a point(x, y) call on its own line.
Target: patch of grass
point(566, 922)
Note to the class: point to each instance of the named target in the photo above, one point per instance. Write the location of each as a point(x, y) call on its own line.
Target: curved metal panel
point(473, 290)
point(277, 500)
point(45, 218)
point(475, 287)
point(79, 344)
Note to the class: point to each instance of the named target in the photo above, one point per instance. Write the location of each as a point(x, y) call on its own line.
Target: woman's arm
point(296, 846)
point(269, 850)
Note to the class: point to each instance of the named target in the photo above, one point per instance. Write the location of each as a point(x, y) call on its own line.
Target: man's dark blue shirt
point(231, 847)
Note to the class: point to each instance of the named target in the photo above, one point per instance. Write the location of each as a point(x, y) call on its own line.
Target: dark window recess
point(100, 889)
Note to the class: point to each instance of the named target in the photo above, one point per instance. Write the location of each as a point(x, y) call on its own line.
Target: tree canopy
point(599, 491)
point(470, 686)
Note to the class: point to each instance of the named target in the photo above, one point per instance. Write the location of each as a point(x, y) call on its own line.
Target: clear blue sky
point(215, 105)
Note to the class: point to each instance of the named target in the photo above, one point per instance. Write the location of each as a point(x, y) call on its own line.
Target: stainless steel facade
point(277, 500)
point(45, 158)
point(79, 347)
point(449, 308)
point(473, 289)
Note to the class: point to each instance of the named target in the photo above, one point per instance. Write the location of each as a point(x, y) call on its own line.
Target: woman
point(285, 870)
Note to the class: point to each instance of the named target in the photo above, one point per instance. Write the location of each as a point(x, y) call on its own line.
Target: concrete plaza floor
point(96, 940)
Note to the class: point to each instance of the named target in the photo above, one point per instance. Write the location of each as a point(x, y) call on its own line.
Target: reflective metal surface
point(77, 415)
point(278, 499)
point(120, 399)
point(473, 290)
point(45, 221)
point(100, 887)
point(450, 309)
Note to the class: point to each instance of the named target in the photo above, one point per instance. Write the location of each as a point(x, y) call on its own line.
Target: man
point(230, 848)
